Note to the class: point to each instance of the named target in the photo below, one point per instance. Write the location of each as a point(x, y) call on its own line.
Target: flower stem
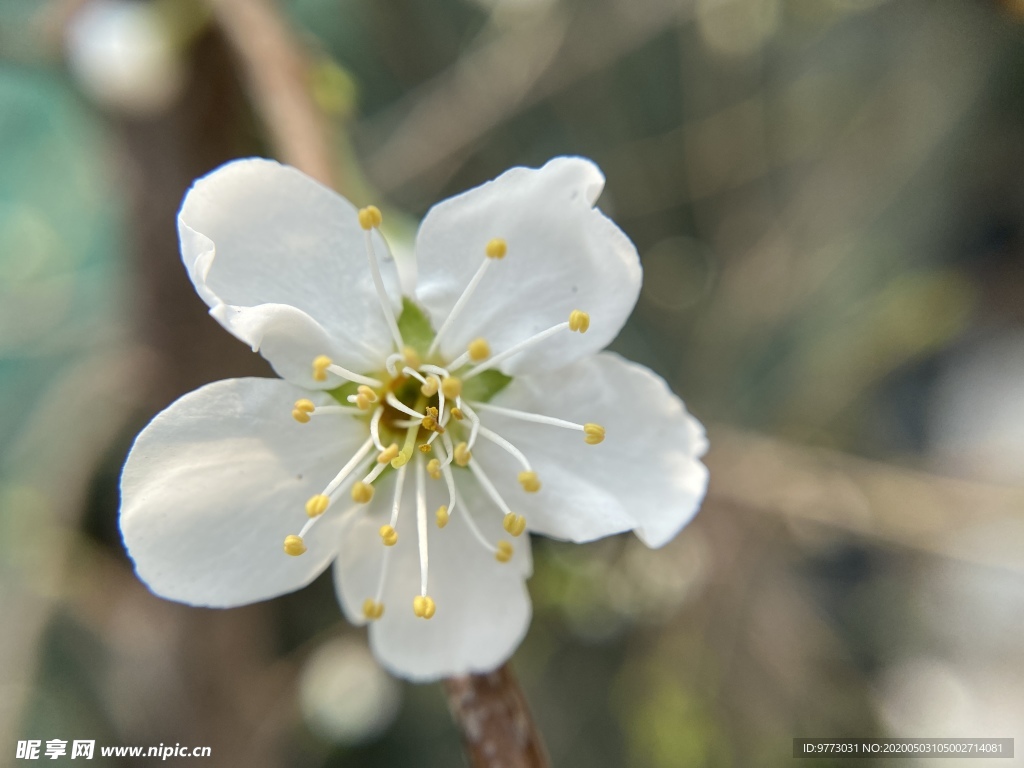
point(494, 719)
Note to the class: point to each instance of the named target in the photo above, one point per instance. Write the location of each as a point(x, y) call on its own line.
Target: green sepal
point(484, 386)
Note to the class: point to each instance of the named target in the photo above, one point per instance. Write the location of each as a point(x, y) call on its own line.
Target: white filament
point(358, 378)
point(488, 486)
point(349, 467)
point(382, 294)
point(503, 443)
point(397, 503)
point(466, 294)
point(394, 402)
point(534, 418)
point(375, 428)
point(515, 349)
point(421, 523)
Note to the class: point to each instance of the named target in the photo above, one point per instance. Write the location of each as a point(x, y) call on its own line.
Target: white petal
point(400, 248)
point(563, 254)
point(281, 261)
point(217, 480)
point(483, 608)
point(645, 476)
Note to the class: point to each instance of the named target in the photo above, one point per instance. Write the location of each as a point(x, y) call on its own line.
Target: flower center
point(423, 411)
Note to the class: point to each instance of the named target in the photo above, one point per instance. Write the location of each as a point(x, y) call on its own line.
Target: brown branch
point(277, 72)
point(494, 719)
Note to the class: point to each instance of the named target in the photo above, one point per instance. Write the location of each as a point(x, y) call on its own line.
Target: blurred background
point(828, 198)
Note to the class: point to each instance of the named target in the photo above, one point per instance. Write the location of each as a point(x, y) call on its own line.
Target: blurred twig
point(503, 77)
point(277, 71)
point(832, 224)
point(944, 516)
point(494, 719)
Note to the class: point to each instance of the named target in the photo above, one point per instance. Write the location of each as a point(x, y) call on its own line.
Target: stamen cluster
point(414, 409)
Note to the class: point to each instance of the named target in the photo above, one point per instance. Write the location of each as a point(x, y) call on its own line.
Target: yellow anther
point(369, 217)
point(452, 387)
point(423, 606)
point(372, 610)
point(430, 388)
point(478, 350)
point(320, 367)
point(579, 321)
point(430, 422)
point(387, 454)
point(401, 459)
point(504, 553)
point(462, 454)
point(593, 433)
point(457, 414)
point(425, 448)
point(365, 397)
point(496, 248)
point(294, 546)
point(362, 492)
point(302, 409)
point(412, 357)
point(514, 524)
point(317, 505)
point(434, 468)
point(388, 535)
point(529, 482)
point(442, 516)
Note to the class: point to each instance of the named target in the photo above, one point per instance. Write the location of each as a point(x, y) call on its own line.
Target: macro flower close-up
point(432, 411)
point(511, 383)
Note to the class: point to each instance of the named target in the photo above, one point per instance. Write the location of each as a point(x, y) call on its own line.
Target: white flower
point(525, 282)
